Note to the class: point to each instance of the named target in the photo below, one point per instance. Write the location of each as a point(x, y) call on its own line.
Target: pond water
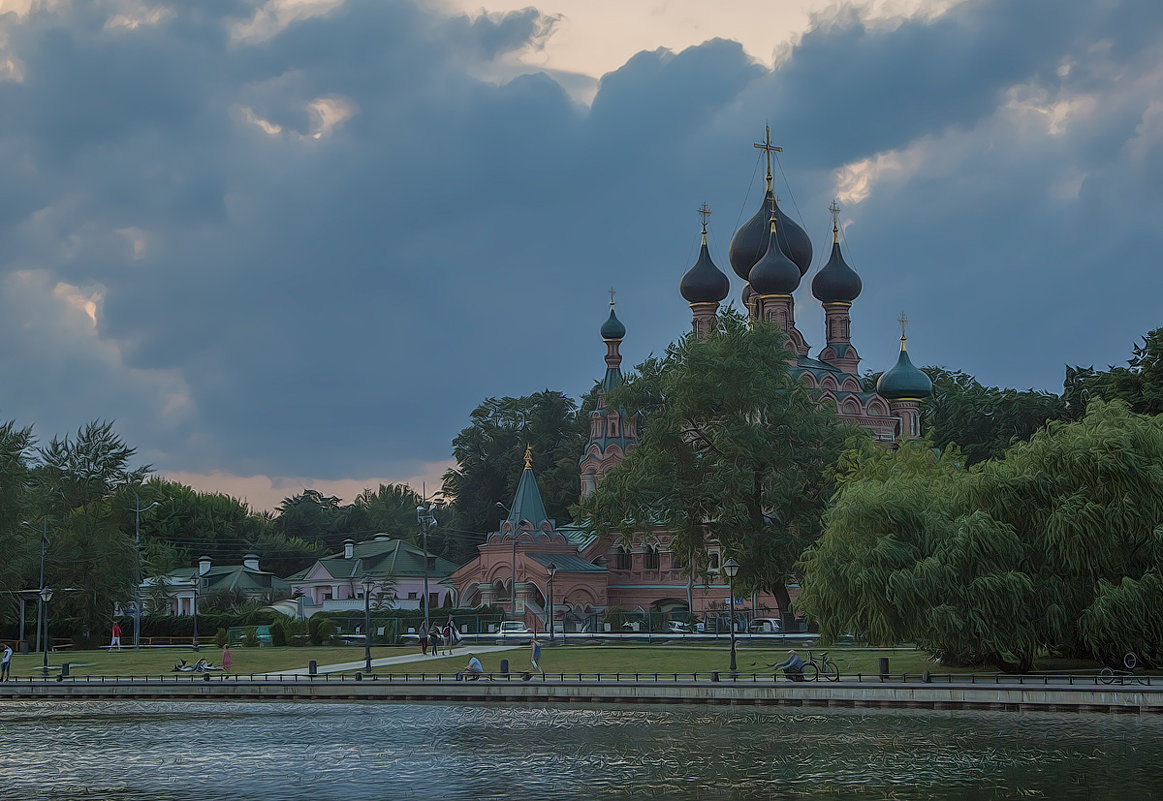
point(208, 750)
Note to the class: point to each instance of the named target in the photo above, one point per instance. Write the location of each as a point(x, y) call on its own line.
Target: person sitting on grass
point(473, 670)
point(793, 666)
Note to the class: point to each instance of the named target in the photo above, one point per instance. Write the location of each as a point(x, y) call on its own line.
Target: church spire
point(704, 286)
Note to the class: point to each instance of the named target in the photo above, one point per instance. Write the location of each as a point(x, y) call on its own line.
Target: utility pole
point(427, 521)
point(137, 510)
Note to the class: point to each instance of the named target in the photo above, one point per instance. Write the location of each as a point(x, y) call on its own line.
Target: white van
point(765, 625)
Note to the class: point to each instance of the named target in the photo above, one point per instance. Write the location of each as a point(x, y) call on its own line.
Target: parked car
point(765, 625)
point(513, 631)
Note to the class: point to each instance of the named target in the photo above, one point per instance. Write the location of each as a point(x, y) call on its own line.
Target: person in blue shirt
point(793, 666)
point(535, 653)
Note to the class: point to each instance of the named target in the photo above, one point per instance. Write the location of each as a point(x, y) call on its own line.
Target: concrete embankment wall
point(1057, 698)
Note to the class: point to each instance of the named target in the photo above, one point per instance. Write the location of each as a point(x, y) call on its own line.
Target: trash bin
point(714, 675)
point(24, 647)
point(64, 670)
point(883, 662)
point(504, 667)
point(312, 668)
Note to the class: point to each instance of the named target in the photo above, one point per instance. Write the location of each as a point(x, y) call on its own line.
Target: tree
point(1056, 547)
point(489, 459)
point(1139, 385)
point(390, 509)
point(981, 421)
point(312, 517)
point(17, 543)
point(733, 448)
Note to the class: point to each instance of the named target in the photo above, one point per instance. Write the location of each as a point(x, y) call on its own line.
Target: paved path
point(460, 651)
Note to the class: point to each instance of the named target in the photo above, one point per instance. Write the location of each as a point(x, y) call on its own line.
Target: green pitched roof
point(382, 557)
point(527, 503)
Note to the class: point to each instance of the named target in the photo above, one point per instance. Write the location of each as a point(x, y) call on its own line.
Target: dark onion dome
point(704, 283)
point(836, 281)
point(748, 293)
point(613, 328)
point(750, 241)
point(904, 381)
point(775, 273)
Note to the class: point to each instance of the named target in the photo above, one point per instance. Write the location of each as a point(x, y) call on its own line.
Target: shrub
point(278, 634)
point(251, 638)
point(220, 637)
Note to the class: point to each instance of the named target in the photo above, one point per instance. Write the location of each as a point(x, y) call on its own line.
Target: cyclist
point(793, 666)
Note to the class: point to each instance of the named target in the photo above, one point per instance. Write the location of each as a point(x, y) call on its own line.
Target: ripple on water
point(208, 750)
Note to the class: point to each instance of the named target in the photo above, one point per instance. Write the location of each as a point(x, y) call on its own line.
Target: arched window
point(650, 557)
point(622, 559)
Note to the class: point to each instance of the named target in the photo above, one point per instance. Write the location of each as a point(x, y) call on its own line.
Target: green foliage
point(18, 544)
point(220, 637)
point(1139, 384)
point(321, 629)
point(733, 447)
point(1057, 547)
point(278, 634)
point(489, 458)
point(250, 639)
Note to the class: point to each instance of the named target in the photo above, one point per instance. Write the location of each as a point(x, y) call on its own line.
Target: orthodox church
point(536, 569)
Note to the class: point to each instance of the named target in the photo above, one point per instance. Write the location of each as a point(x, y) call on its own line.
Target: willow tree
point(733, 450)
point(1055, 548)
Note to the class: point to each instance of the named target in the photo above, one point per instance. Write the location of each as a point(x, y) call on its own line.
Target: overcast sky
point(293, 243)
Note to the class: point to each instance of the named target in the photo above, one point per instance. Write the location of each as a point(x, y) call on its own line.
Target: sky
point(293, 243)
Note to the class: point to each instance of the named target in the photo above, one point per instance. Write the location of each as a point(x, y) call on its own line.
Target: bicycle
point(824, 668)
point(1110, 675)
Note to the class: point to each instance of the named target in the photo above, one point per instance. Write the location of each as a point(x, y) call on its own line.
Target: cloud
point(305, 239)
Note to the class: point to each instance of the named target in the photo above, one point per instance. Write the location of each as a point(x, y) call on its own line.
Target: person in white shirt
point(5, 661)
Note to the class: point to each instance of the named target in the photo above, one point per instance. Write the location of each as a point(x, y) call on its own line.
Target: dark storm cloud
point(335, 306)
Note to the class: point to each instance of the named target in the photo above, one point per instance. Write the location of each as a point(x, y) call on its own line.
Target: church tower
point(905, 386)
point(612, 431)
point(836, 286)
point(704, 286)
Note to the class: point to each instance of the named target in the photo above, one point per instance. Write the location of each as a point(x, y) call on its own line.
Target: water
point(172, 751)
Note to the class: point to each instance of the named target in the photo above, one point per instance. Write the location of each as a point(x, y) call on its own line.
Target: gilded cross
point(768, 148)
point(611, 297)
point(704, 212)
point(904, 321)
point(835, 209)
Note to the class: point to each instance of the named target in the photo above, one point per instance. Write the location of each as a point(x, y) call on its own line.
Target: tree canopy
point(1056, 547)
point(732, 448)
point(1139, 384)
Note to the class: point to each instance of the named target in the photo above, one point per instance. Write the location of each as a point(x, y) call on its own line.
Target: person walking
point(227, 658)
point(5, 661)
point(447, 634)
point(423, 640)
point(434, 639)
point(115, 640)
point(535, 654)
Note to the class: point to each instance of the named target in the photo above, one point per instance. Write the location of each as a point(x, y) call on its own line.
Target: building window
point(650, 558)
point(713, 561)
point(412, 596)
point(621, 559)
point(677, 562)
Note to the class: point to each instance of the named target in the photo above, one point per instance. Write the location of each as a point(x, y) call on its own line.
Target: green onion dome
point(904, 381)
point(613, 328)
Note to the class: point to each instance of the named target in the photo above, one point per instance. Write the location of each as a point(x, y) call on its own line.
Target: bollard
point(883, 668)
point(312, 668)
point(926, 677)
point(64, 670)
point(359, 677)
point(504, 667)
point(714, 675)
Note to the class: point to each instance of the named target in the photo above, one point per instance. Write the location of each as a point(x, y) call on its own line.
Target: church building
point(534, 568)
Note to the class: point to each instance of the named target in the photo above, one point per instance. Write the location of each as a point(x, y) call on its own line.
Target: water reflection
point(242, 751)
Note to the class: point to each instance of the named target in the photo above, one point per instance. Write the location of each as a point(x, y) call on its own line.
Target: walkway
point(460, 651)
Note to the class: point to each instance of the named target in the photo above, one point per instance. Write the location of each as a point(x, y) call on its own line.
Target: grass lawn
point(162, 660)
point(663, 657)
point(676, 658)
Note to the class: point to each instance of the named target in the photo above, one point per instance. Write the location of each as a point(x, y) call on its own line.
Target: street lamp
point(137, 510)
point(45, 597)
point(368, 584)
point(427, 522)
point(731, 568)
point(41, 600)
point(194, 608)
point(552, 568)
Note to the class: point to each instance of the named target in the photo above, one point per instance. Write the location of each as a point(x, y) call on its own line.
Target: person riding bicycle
point(793, 666)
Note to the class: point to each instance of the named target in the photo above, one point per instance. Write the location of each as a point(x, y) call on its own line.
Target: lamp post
point(45, 597)
point(368, 584)
point(427, 522)
point(731, 568)
point(137, 510)
point(194, 607)
point(552, 568)
point(41, 600)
